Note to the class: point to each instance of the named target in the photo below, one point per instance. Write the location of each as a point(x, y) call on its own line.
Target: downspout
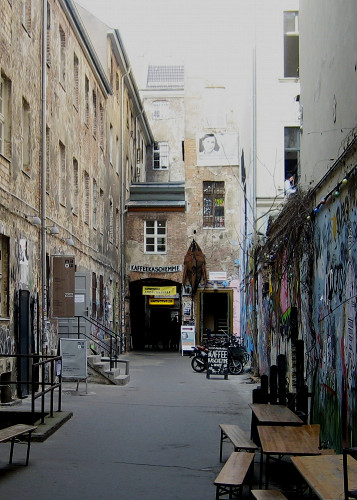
point(44, 340)
point(254, 194)
point(122, 213)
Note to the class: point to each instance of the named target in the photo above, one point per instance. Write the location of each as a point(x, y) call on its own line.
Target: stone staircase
point(99, 371)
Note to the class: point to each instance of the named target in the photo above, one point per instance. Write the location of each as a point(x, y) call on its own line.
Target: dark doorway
point(215, 312)
point(154, 327)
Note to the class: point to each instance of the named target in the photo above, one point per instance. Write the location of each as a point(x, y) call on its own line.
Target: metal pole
point(43, 181)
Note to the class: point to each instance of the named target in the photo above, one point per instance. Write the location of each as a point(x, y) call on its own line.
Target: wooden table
point(283, 440)
point(324, 474)
point(267, 414)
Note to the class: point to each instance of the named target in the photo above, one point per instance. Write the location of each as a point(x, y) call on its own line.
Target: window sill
point(288, 79)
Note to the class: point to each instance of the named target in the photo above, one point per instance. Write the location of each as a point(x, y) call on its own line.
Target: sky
point(171, 31)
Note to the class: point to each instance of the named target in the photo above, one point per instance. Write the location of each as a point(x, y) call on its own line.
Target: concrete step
point(100, 372)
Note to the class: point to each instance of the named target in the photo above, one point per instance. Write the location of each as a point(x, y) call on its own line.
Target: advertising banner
point(165, 291)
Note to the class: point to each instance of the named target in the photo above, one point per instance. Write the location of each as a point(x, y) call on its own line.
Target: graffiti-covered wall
point(335, 240)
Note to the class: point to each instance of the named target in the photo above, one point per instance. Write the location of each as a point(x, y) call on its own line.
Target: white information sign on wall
point(74, 358)
point(188, 338)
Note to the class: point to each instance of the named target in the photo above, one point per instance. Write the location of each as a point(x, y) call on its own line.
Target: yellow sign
point(159, 290)
point(161, 302)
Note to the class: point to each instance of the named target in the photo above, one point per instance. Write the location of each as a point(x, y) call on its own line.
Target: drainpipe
point(254, 194)
point(44, 339)
point(122, 213)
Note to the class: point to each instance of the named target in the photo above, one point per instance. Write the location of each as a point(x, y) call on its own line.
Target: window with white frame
point(5, 116)
point(161, 155)
point(155, 236)
point(161, 110)
point(213, 204)
point(291, 44)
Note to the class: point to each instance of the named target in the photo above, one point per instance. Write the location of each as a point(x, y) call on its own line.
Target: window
point(75, 191)
point(155, 236)
point(48, 38)
point(75, 81)
point(101, 210)
point(117, 152)
point(101, 125)
point(94, 295)
point(292, 154)
point(161, 155)
point(95, 192)
point(4, 276)
point(86, 97)
point(86, 197)
point(111, 143)
point(25, 129)
point(62, 56)
point(62, 174)
point(5, 116)
point(95, 114)
point(161, 110)
point(26, 15)
point(111, 220)
point(48, 170)
point(291, 44)
point(213, 204)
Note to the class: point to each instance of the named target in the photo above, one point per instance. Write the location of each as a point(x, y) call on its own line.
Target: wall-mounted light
point(34, 219)
point(69, 241)
point(54, 229)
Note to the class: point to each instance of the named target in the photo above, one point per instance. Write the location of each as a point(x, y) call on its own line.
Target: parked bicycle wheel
point(235, 366)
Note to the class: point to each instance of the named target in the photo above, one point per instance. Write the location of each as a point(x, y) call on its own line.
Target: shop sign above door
point(163, 291)
point(161, 302)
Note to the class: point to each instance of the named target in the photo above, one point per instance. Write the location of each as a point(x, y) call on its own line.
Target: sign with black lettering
point(217, 361)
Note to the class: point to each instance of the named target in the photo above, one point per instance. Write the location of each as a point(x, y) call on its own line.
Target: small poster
point(188, 334)
point(217, 361)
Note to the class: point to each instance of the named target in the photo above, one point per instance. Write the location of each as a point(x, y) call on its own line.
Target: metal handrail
point(33, 383)
point(113, 347)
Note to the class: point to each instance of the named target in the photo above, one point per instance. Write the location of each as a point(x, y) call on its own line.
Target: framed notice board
point(74, 359)
point(217, 361)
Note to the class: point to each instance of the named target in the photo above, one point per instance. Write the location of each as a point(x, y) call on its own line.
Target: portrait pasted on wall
point(217, 149)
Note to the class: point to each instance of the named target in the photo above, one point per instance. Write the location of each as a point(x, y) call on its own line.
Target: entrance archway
point(154, 326)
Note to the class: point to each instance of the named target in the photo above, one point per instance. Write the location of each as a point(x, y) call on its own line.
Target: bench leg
point(11, 449)
point(28, 448)
point(221, 446)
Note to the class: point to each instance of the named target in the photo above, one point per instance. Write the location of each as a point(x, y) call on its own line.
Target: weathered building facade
point(71, 127)
point(306, 269)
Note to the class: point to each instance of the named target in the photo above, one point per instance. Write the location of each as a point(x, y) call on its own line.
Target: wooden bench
point(230, 480)
point(15, 431)
point(268, 495)
point(237, 437)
